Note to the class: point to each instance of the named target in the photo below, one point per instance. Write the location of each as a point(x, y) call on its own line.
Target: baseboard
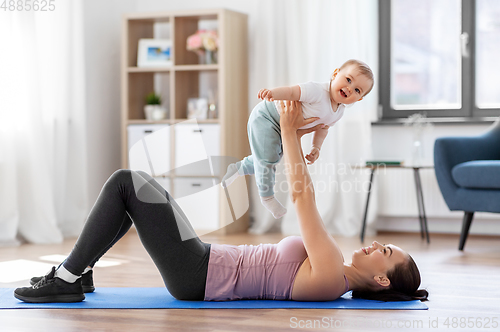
point(480, 226)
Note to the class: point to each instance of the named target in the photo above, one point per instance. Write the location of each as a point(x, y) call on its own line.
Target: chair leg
point(465, 229)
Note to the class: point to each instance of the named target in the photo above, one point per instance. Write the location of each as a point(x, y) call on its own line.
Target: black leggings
point(182, 263)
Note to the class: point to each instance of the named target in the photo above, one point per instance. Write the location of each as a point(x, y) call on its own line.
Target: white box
point(194, 143)
point(149, 148)
point(199, 200)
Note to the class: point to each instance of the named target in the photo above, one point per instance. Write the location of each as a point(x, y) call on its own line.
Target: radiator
point(397, 193)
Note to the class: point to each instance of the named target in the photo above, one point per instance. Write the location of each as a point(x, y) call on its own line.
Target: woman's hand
point(291, 118)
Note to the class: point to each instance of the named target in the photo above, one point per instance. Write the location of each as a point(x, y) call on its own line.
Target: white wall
point(396, 203)
point(102, 29)
point(395, 141)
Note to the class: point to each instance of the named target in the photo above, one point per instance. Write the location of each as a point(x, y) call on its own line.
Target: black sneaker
point(87, 281)
point(51, 289)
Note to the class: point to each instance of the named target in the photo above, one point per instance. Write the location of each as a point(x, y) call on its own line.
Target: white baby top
point(315, 99)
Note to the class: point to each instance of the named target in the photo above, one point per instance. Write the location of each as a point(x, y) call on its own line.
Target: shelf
point(196, 67)
point(197, 120)
point(172, 68)
point(149, 70)
point(170, 121)
point(224, 83)
point(207, 14)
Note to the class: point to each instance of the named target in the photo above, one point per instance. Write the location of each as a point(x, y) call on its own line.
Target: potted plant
point(153, 109)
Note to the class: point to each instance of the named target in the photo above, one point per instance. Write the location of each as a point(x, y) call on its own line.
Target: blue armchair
point(468, 174)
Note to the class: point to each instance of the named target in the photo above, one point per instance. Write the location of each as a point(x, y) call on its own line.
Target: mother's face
point(375, 261)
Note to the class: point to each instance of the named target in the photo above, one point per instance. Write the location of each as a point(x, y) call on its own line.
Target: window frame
point(469, 109)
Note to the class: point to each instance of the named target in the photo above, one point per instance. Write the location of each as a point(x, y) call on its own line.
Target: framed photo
point(154, 53)
point(197, 108)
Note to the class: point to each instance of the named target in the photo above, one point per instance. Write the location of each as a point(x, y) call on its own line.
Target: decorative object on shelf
point(212, 104)
point(212, 111)
point(205, 43)
point(153, 110)
point(154, 53)
point(197, 108)
point(418, 123)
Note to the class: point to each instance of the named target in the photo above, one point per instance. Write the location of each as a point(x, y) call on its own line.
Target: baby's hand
point(265, 94)
point(313, 155)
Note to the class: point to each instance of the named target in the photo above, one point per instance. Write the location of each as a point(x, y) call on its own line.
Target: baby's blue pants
point(264, 136)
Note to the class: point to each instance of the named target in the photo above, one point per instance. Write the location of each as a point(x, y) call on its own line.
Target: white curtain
point(43, 175)
point(297, 41)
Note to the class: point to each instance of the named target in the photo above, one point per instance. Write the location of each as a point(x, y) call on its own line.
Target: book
point(384, 162)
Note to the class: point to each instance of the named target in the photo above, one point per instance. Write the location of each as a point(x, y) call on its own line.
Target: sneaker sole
point(56, 298)
point(88, 289)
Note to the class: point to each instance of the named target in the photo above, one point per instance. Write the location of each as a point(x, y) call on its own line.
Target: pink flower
point(194, 42)
point(203, 40)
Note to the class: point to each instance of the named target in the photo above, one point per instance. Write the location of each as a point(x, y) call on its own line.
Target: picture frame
point(154, 53)
point(197, 108)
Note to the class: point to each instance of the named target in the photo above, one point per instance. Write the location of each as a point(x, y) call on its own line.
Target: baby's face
point(349, 86)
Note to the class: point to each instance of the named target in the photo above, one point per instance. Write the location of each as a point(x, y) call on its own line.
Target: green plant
point(153, 99)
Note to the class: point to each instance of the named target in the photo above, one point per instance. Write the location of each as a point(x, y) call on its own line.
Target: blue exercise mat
point(160, 298)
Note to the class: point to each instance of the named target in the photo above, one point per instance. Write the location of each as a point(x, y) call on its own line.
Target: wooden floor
point(462, 285)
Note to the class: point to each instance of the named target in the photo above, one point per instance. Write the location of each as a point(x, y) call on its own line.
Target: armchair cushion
point(452, 151)
point(477, 174)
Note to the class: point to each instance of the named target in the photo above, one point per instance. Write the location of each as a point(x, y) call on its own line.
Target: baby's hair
point(363, 68)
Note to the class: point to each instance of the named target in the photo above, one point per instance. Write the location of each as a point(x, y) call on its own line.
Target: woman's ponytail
point(421, 295)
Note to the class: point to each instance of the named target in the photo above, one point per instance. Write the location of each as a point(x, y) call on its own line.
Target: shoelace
point(44, 281)
point(47, 279)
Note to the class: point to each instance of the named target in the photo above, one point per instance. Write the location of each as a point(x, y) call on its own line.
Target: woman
point(307, 268)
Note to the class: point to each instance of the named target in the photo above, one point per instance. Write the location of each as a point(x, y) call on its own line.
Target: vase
point(417, 154)
point(212, 111)
point(206, 57)
point(210, 57)
point(202, 58)
point(155, 112)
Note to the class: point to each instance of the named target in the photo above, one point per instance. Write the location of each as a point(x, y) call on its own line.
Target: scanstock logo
point(197, 173)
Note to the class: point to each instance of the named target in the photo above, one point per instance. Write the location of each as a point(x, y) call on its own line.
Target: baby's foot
point(274, 206)
point(231, 175)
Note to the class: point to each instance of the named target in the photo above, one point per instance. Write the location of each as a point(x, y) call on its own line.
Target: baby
point(327, 100)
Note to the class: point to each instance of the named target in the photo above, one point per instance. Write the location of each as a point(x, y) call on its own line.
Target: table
point(420, 196)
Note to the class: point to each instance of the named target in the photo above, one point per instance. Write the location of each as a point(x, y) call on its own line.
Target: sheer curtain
point(43, 176)
point(301, 41)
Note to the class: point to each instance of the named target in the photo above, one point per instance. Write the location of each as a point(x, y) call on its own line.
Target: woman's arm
point(324, 255)
point(299, 181)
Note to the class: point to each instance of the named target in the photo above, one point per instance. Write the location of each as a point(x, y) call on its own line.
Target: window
point(439, 58)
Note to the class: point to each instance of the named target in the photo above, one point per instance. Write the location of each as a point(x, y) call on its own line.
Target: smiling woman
point(306, 268)
point(399, 282)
